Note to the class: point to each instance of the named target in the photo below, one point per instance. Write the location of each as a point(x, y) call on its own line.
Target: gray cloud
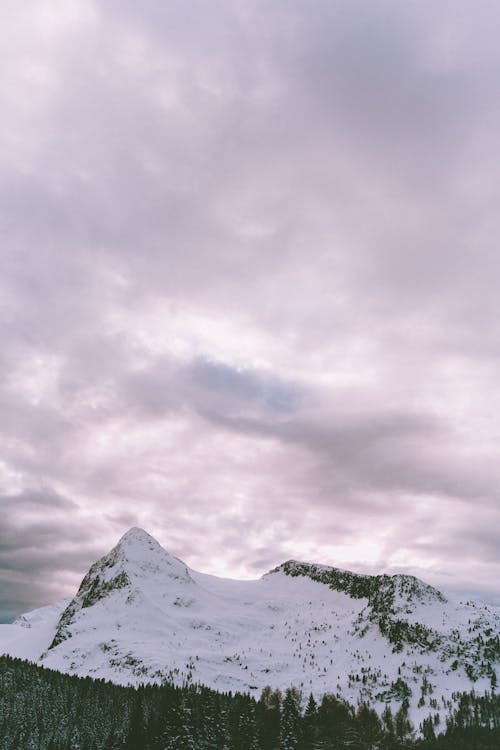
point(248, 293)
point(41, 554)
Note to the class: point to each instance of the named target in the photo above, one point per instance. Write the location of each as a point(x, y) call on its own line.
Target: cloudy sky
point(249, 287)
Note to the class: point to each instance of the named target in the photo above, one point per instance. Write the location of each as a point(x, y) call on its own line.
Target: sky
point(249, 287)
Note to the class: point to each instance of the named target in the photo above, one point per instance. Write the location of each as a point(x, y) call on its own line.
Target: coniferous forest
point(42, 709)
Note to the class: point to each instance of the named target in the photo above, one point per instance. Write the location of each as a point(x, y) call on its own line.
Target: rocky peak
point(138, 561)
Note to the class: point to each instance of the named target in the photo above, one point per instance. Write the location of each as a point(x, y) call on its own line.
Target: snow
point(28, 636)
point(142, 615)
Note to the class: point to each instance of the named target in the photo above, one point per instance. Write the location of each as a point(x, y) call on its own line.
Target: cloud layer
point(249, 287)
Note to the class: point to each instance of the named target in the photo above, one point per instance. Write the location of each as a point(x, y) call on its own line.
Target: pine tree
point(136, 736)
point(45, 710)
point(179, 732)
point(402, 724)
point(269, 718)
point(309, 725)
point(369, 725)
point(388, 720)
point(334, 719)
point(290, 720)
point(222, 740)
point(246, 733)
point(427, 727)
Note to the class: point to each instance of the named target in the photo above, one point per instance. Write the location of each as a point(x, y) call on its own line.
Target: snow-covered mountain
point(142, 615)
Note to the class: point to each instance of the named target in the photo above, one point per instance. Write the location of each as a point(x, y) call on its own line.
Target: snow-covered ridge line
point(142, 615)
point(380, 590)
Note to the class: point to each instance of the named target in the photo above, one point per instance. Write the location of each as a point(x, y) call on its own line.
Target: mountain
point(141, 615)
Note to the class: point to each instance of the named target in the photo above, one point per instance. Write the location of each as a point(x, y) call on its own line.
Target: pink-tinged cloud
point(248, 289)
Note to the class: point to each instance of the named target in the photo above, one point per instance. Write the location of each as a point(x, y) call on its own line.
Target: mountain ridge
point(361, 585)
point(142, 615)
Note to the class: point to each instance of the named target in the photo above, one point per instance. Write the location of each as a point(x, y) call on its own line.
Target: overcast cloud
point(249, 287)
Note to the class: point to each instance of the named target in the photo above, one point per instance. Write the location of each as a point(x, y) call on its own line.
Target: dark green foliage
point(369, 725)
point(390, 599)
point(291, 721)
point(41, 709)
point(268, 718)
point(335, 722)
point(380, 590)
point(399, 632)
point(403, 725)
point(310, 725)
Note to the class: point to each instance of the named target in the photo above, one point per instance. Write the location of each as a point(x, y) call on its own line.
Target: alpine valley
point(142, 616)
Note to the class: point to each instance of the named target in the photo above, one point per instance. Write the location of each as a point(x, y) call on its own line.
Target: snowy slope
point(28, 636)
point(142, 615)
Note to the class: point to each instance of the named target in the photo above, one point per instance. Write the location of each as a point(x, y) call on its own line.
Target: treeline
point(42, 709)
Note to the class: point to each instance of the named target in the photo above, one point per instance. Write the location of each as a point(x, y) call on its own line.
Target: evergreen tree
point(222, 738)
point(369, 726)
point(268, 713)
point(136, 736)
point(402, 724)
point(428, 732)
point(334, 719)
point(179, 732)
point(246, 738)
point(290, 720)
point(388, 720)
point(45, 710)
point(309, 725)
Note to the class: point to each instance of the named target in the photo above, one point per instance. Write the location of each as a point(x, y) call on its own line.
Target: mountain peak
point(137, 565)
point(135, 533)
point(141, 555)
point(141, 615)
point(137, 537)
